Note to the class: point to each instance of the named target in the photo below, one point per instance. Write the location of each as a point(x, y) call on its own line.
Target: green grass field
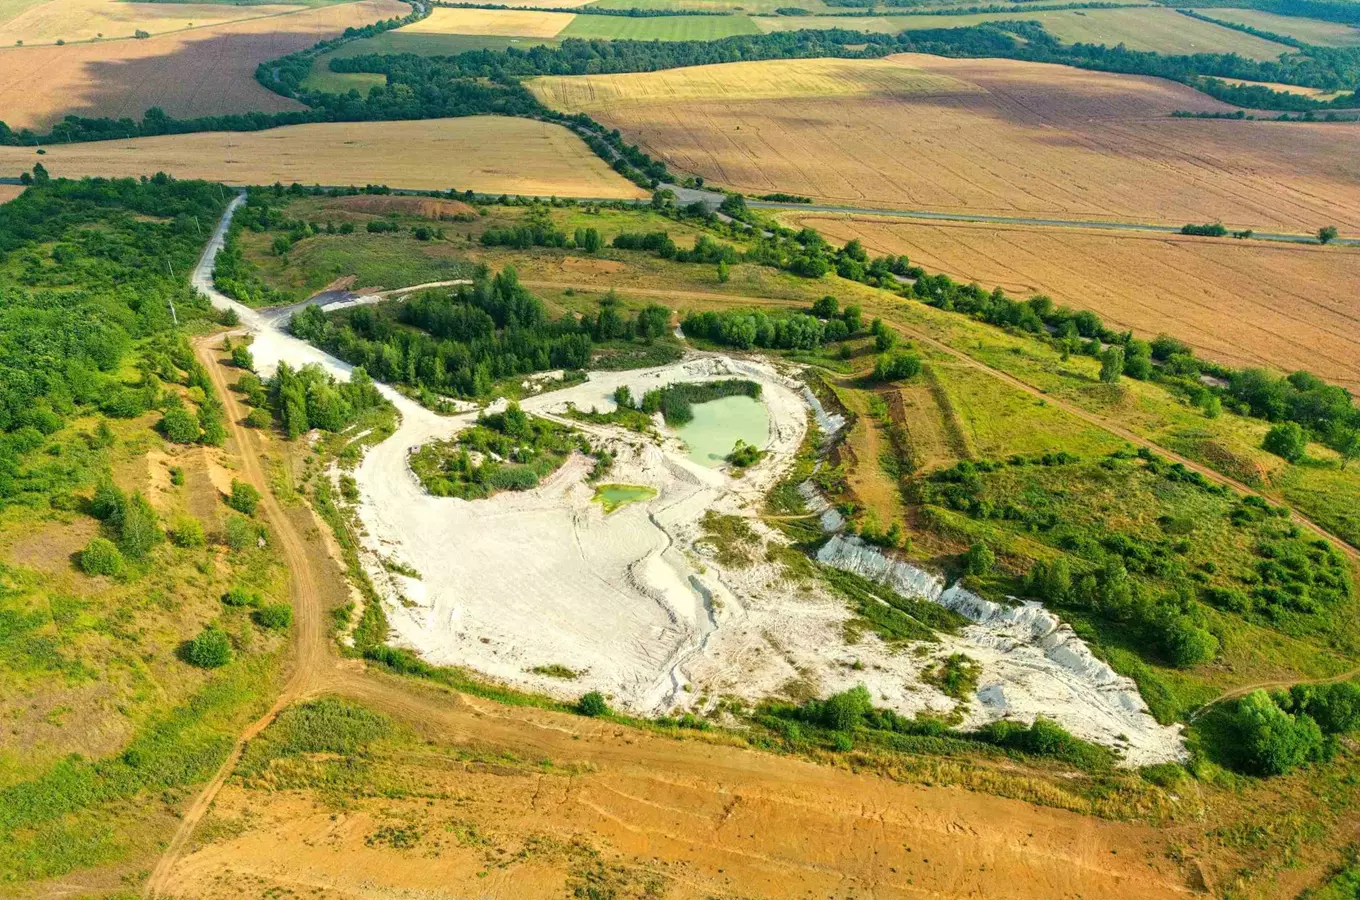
point(1155, 29)
point(321, 78)
point(1310, 31)
point(670, 28)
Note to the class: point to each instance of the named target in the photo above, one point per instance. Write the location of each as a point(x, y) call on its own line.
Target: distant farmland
point(483, 153)
point(670, 28)
point(203, 71)
point(497, 22)
point(986, 136)
point(1239, 302)
point(1144, 28)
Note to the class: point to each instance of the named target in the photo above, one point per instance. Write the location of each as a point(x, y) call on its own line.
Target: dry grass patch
point(201, 72)
point(86, 20)
point(1239, 302)
point(435, 154)
point(985, 136)
point(495, 22)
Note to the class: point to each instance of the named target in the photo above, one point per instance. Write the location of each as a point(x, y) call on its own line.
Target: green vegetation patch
point(614, 496)
point(506, 451)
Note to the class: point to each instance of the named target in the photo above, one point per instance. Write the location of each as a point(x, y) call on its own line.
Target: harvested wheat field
point(544, 806)
point(88, 20)
point(494, 22)
point(9, 191)
point(985, 136)
point(201, 72)
point(433, 154)
point(1239, 302)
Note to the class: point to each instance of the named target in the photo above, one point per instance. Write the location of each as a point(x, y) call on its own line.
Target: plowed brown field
point(433, 154)
point(987, 136)
point(1239, 302)
point(200, 72)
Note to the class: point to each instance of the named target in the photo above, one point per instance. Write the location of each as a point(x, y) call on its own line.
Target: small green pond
point(719, 424)
point(612, 496)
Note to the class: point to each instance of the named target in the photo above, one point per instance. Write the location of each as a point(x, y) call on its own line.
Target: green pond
point(612, 496)
point(719, 424)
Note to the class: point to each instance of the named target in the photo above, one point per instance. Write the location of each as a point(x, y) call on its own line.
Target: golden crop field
point(84, 20)
point(978, 135)
point(494, 22)
point(203, 71)
point(467, 153)
point(9, 191)
point(1286, 306)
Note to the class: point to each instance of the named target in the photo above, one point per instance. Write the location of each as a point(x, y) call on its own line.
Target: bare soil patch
point(1238, 302)
point(425, 207)
point(434, 154)
point(200, 72)
point(694, 819)
point(986, 136)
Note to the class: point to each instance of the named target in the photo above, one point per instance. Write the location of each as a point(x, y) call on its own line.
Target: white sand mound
point(1033, 664)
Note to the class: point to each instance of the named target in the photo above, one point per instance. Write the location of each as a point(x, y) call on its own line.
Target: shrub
point(101, 557)
point(896, 366)
point(1286, 441)
point(843, 711)
point(108, 503)
point(241, 533)
point(275, 617)
point(259, 418)
point(210, 650)
point(244, 498)
point(1186, 643)
point(239, 596)
point(241, 357)
point(179, 425)
point(592, 704)
point(979, 560)
point(1335, 707)
point(187, 532)
point(1270, 740)
point(1111, 365)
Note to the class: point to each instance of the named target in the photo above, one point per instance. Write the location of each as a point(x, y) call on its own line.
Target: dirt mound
point(425, 207)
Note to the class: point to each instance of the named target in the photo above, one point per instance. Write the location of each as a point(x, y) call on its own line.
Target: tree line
point(461, 343)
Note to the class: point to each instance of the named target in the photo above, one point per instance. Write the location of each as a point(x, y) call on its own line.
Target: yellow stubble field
point(86, 20)
point(432, 154)
point(1285, 306)
point(978, 135)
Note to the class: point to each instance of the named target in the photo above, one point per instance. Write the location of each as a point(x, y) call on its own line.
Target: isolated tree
point(139, 530)
point(1346, 442)
point(623, 396)
point(723, 272)
point(1326, 234)
point(1187, 644)
point(885, 340)
point(241, 357)
point(1111, 365)
point(1286, 440)
point(1270, 740)
point(979, 560)
point(825, 308)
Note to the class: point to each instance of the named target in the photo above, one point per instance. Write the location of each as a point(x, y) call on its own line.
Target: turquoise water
point(719, 424)
point(612, 496)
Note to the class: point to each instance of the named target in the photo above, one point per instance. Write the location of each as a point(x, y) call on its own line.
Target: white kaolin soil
point(635, 601)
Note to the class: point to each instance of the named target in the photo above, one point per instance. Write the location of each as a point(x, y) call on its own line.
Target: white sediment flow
point(635, 601)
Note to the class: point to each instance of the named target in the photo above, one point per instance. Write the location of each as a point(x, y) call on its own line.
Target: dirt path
point(310, 656)
point(1005, 377)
